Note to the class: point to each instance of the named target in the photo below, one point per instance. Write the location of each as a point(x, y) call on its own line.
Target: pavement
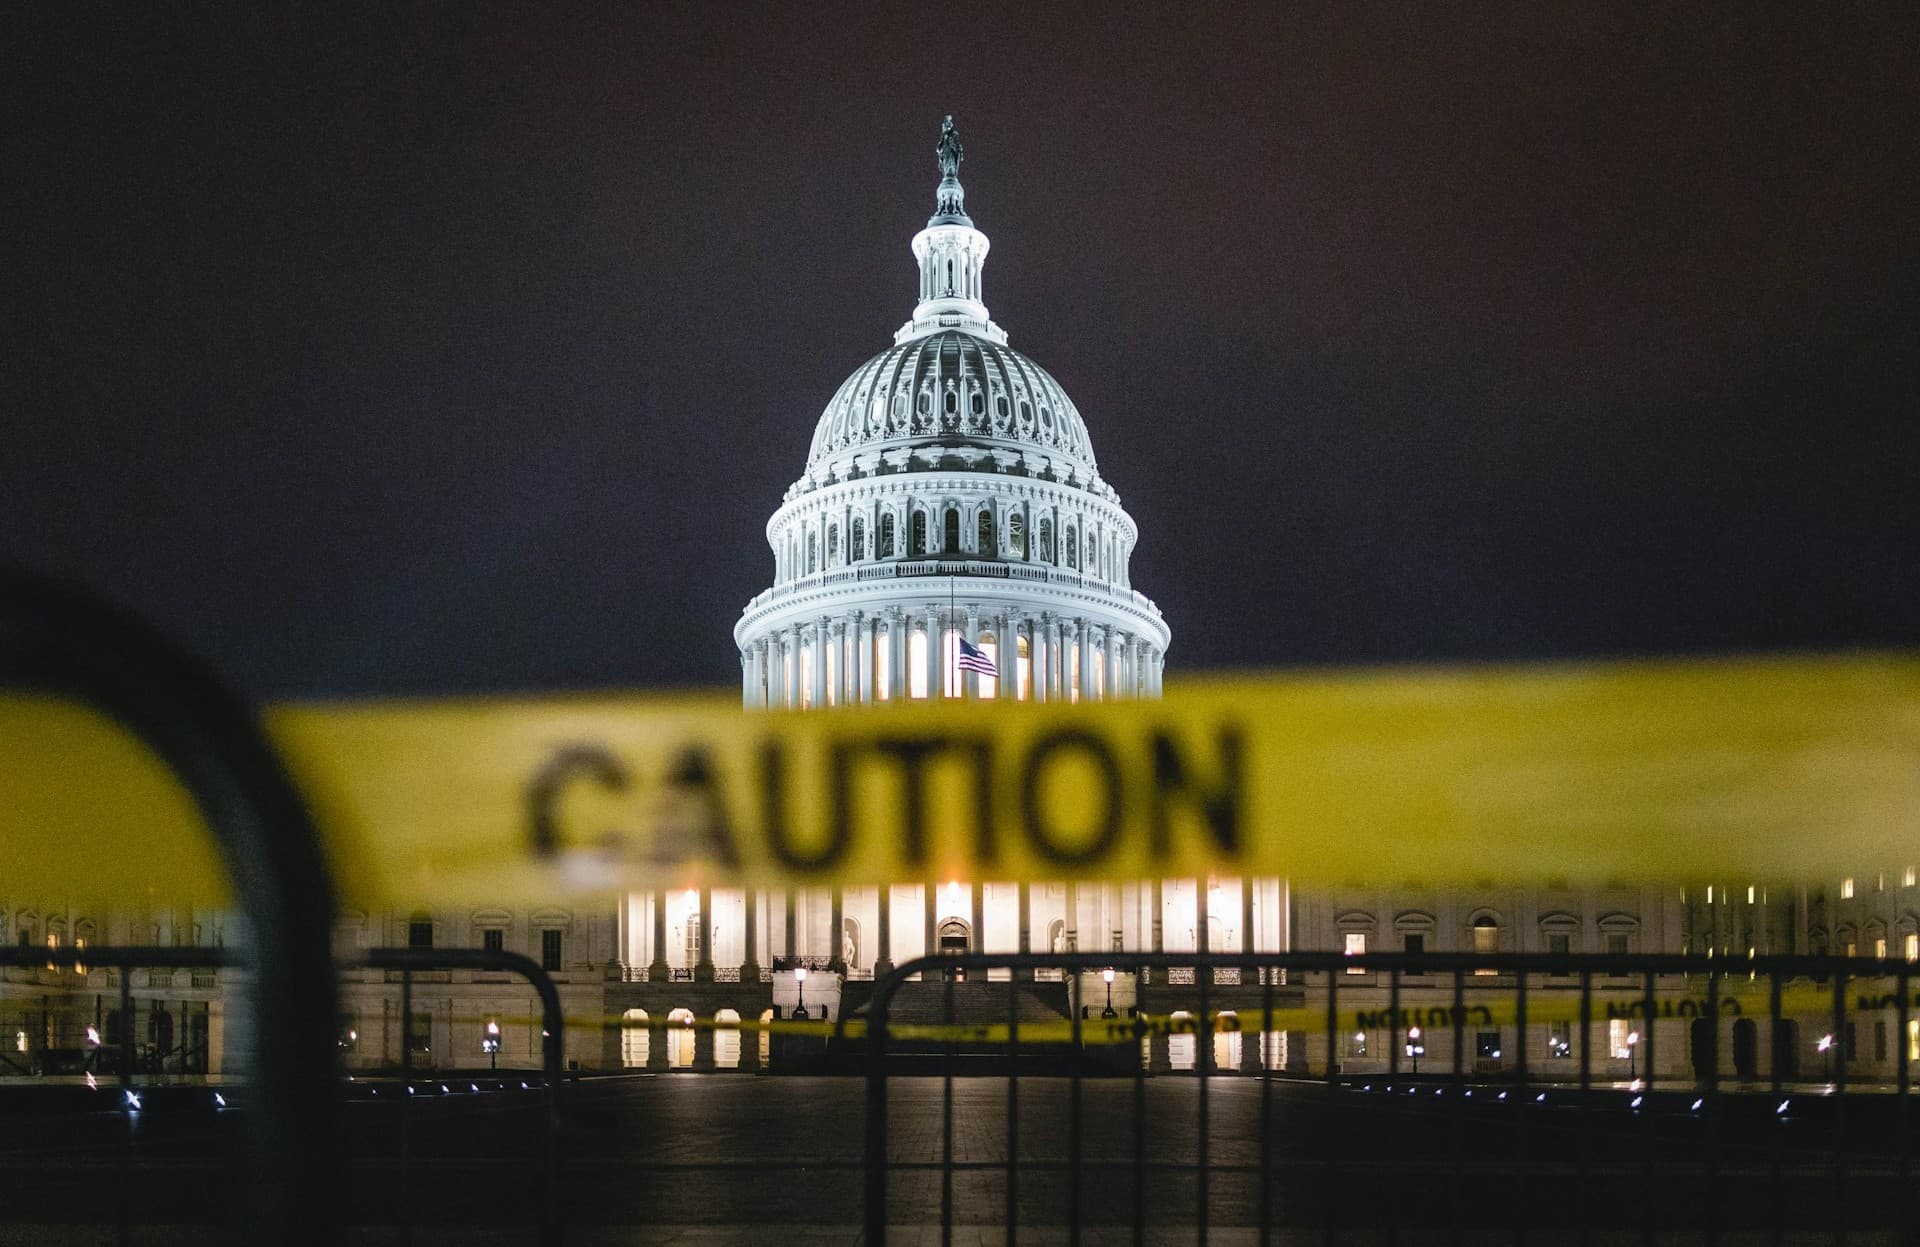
point(690, 1159)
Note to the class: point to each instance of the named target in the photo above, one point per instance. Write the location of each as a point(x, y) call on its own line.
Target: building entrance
point(956, 938)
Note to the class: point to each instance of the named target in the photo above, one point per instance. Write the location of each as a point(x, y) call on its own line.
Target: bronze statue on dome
point(950, 152)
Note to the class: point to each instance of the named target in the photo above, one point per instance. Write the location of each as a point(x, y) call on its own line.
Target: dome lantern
point(951, 254)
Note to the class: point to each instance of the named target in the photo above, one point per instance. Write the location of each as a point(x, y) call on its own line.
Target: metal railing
point(1693, 1149)
point(57, 641)
point(409, 961)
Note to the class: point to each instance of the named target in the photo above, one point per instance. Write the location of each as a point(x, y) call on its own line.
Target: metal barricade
point(62, 643)
point(553, 1027)
point(1544, 1138)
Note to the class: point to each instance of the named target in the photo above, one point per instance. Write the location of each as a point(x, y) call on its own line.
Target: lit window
point(989, 686)
point(882, 667)
point(1486, 939)
point(1618, 1043)
point(1356, 945)
point(1749, 894)
point(1912, 943)
point(917, 664)
point(1846, 889)
point(1880, 948)
point(1906, 877)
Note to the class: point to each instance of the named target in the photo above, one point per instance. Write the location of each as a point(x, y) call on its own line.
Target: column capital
point(839, 627)
point(893, 614)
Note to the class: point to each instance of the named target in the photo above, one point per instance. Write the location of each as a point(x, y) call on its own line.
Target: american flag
point(971, 659)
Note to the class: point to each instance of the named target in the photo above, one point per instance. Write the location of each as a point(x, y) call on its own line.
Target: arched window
point(726, 1039)
point(1016, 536)
point(1073, 547)
point(985, 526)
point(986, 684)
point(813, 553)
point(1046, 541)
point(953, 530)
point(833, 544)
point(680, 1039)
point(886, 536)
point(1486, 939)
point(857, 551)
point(917, 532)
point(635, 1042)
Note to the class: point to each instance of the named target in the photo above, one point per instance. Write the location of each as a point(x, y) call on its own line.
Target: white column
point(840, 681)
point(868, 638)
point(969, 682)
point(936, 685)
point(1083, 632)
point(897, 624)
point(1111, 644)
point(1008, 660)
point(1037, 650)
point(1057, 658)
point(818, 682)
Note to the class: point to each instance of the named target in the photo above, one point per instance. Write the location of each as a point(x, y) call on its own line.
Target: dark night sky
point(442, 351)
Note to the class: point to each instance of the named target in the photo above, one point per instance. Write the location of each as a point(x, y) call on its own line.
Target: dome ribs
point(878, 407)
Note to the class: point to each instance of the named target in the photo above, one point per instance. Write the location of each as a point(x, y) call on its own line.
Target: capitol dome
point(952, 388)
point(950, 502)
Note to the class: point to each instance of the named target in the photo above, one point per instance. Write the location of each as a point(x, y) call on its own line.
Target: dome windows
point(986, 535)
point(886, 536)
point(953, 530)
point(1073, 548)
point(1046, 540)
point(813, 553)
point(833, 544)
point(917, 533)
point(857, 550)
point(1016, 536)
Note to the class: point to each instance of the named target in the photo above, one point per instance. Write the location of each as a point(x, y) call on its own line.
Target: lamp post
point(492, 1044)
point(800, 985)
point(1633, 1046)
point(1108, 1012)
point(1415, 1048)
point(1826, 1045)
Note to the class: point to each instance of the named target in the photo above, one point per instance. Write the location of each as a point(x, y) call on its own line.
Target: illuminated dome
point(950, 494)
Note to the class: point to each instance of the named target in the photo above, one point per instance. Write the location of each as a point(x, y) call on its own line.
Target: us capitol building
point(950, 492)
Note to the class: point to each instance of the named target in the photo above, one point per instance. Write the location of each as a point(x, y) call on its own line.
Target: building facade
point(950, 501)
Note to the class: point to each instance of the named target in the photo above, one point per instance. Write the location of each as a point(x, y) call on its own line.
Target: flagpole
point(952, 611)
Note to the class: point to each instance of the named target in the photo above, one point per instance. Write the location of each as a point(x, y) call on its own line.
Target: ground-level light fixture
point(800, 986)
point(491, 1044)
point(1108, 1012)
point(1416, 1046)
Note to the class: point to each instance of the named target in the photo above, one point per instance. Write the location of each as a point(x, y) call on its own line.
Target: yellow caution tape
point(1491, 1011)
point(1776, 768)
